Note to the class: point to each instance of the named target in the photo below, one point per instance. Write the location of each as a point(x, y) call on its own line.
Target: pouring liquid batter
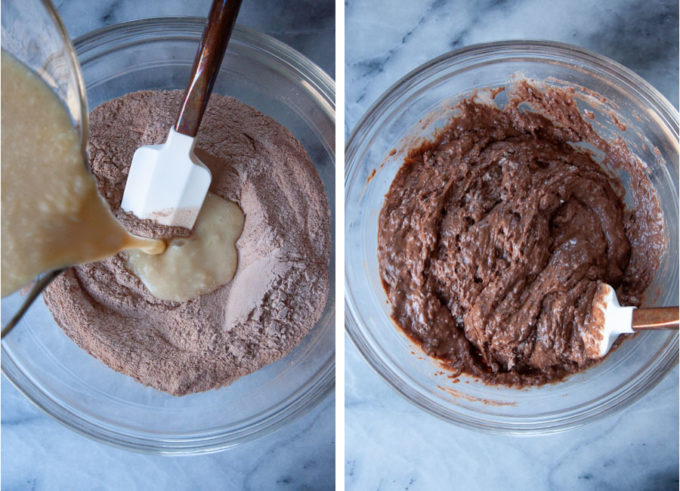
point(52, 215)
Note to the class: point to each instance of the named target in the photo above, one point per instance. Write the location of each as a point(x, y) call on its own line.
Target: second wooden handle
point(655, 318)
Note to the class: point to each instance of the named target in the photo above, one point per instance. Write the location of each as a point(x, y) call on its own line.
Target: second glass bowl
point(411, 111)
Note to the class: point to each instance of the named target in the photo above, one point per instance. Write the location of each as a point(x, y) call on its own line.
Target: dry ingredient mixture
point(52, 215)
point(281, 283)
point(493, 237)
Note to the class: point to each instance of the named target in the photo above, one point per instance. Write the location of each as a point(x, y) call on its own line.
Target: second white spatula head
point(167, 183)
point(608, 320)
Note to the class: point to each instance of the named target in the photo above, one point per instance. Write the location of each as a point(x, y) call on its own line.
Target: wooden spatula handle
point(207, 64)
point(655, 318)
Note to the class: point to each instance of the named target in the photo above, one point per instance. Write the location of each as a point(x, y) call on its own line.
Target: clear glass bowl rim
point(463, 59)
point(320, 384)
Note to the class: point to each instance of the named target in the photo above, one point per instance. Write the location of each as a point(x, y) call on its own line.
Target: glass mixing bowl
point(412, 110)
point(89, 397)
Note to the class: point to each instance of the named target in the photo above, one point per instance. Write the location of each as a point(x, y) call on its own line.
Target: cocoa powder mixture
point(281, 284)
point(494, 236)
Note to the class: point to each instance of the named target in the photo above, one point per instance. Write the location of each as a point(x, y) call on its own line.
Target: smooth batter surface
point(493, 237)
point(52, 215)
point(281, 283)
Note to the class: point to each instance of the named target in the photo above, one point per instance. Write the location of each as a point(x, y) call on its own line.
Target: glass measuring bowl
point(33, 33)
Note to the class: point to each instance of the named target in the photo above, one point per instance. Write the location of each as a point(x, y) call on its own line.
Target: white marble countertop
point(392, 445)
point(40, 454)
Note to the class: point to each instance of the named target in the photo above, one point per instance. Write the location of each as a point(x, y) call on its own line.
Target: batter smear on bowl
point(281, 282)
point(493, 237)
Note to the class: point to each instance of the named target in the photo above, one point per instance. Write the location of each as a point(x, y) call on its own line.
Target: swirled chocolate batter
point(281, 282)
point(493, 237)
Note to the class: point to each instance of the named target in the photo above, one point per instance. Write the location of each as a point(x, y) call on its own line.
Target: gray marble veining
point(391, 444)
point(306, 25)
point(40, 454)
point(385, 40)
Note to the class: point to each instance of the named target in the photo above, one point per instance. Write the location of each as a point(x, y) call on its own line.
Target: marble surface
point(306, 25)
point(385, 42)
point(40, 454)
point(392, 445)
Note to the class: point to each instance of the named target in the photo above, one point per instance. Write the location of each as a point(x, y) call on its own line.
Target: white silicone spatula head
point(608, 320)
point(167, 183)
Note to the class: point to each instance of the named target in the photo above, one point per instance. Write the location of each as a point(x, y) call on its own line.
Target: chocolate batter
point(281, 283)
point(493, 237)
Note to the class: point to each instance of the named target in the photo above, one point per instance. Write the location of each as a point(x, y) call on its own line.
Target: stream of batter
point(52, 215)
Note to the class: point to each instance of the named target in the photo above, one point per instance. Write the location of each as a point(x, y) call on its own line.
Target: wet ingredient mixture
point(280, 286)
point(198, 264)
point(52, 215)
point(493, 237)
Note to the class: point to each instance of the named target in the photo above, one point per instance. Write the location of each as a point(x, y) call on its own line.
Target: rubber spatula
point(615, 319)
point(167, 183)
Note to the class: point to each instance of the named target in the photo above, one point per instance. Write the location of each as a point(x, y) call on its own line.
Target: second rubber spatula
point(167, 183)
